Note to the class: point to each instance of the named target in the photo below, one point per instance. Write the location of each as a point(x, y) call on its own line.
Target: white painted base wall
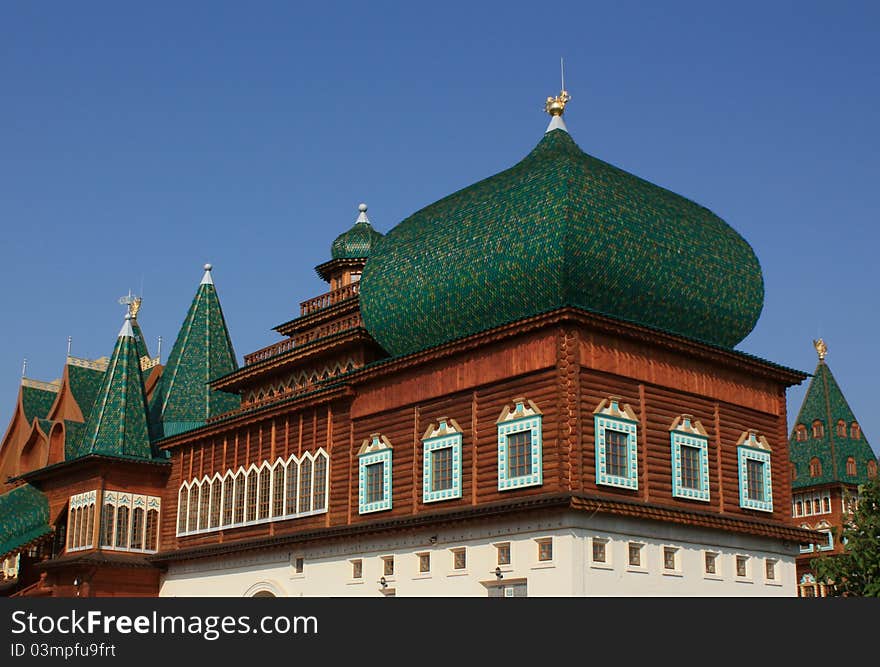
point(328, 569)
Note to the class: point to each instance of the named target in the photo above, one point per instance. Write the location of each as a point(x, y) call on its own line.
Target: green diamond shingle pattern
point(202, 352)
point(24, 516)
point(73, 434)
point(560, 228)
point(117, 423)
point(356, 243)
point(36, 402)
point(139, 340)
point(825, 401)
point(84, 384)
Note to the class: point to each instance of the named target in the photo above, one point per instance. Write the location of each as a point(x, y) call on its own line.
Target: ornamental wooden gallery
point(529, 387)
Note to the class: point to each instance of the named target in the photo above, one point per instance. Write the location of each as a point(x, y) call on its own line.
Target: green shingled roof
point(202, 352)
point(357, 242)
point(84, 384)
point(36, 402)
point(825, 402)
point(117, 423)
point(24, 516)
point(73, 433)
point(139, 340)
point(560, 228)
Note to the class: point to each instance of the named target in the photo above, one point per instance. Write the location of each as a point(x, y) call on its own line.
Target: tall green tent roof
point(117, 424)
point(560, 228)
point(825, 402)
point(201, 353)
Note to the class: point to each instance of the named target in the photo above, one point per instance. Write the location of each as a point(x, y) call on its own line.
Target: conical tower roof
point(118, 422)
point(833, 444)
point(202, 352)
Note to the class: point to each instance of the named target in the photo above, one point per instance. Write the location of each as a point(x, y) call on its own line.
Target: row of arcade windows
point(818, 430)
point(288, 489)
point(851, 468)
point(129, 522)
point(520, 458)
point(807, 505)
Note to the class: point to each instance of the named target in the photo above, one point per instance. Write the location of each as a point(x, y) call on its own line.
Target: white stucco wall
point(327, 568)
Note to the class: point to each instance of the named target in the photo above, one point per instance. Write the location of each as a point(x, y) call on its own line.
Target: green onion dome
point(560, 228)
point(358, 241)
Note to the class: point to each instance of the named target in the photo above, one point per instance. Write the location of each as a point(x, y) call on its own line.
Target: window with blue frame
point(690, 459)
point(519, 446)
point(374, 475)
point(753, 462)
point(616, 444)
point(441, 461)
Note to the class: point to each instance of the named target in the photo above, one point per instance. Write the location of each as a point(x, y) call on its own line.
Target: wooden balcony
point(268, 352)
point(329, 299)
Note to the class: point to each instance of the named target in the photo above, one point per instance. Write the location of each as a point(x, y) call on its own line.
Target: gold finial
point(555, 106)
point(134, 307)
point(821, 348)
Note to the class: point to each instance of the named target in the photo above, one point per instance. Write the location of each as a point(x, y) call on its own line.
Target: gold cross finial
point(821, 348)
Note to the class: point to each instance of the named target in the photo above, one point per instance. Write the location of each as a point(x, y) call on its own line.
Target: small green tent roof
point(825, 402)
point(24, 516)
point(84, 385)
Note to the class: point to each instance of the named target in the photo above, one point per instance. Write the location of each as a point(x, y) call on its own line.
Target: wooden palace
point(529, 387)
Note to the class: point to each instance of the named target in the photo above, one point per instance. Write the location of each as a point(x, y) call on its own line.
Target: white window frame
point(754, 448)
point(524, 417)
point(609, 416)
point(687, 432)
point(447, 435)
point(376, 450)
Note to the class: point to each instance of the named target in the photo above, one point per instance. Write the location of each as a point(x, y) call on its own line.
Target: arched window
point(228, 488)
point(841, 428)
point(851, 467)
point(854, 431)
point(305, 485)
point(250, 504)
point(216, 493)
point(872, 469)
point(152, 530)
point(278, 489)
point(291, 486)
point(182, 504)
point(320, 496)
point(137, 528)
point(90, 526)
point(204, 504)
point(238, 508)
point(815, 467)
point(107, 520)
point(265, 488)
point(122, 527)
point(800, 433)
point(818, 429)
point(193, 519)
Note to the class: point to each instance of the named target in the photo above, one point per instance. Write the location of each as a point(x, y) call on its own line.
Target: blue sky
point(139, 141)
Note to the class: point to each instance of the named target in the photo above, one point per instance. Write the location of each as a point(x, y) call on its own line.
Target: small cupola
point(349, 252)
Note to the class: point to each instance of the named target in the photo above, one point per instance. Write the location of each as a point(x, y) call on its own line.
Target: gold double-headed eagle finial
point(821, 348)
point(555, 106)
point(134, 306)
